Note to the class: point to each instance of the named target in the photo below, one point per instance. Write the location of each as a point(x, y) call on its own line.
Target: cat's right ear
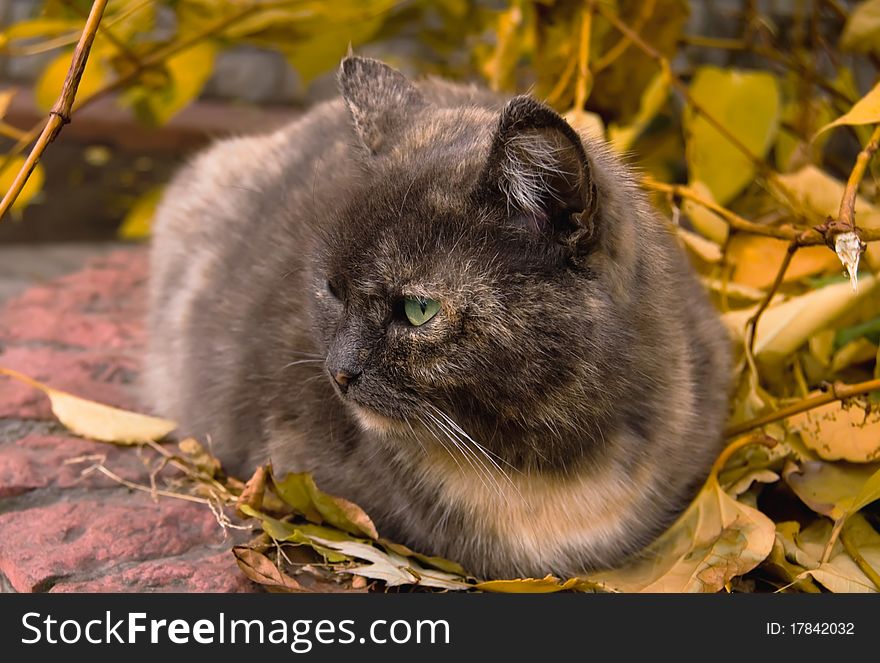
point(378, 98)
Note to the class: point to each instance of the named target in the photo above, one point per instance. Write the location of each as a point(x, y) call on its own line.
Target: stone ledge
point(62, 531)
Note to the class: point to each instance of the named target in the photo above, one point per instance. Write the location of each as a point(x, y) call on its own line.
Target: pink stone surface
point(66, 531)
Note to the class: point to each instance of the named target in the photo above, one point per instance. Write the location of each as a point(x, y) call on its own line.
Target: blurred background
point(775, 71)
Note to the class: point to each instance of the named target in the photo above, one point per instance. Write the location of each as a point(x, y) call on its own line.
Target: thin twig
point(584, 81)
point(834, 392)
point(815, 236)
point(860, 561)
point(846, 218)
point(60, 113)
point(752, 325)
point(616, 51)
point(145, 489)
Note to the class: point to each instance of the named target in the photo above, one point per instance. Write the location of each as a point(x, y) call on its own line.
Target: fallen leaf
point(835, 490)
point(300, 492)
point(436, 562)
point(785, 327)
point(836, 432)
point(254, 489)
point(263, 571)
point(96, 421)
point(840, 574)
point(714, 540)
point(392, 568)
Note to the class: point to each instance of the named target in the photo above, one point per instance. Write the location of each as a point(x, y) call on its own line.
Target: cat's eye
point(419, 310)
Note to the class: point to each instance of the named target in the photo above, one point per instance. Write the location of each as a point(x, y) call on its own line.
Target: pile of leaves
point(310, 541)
point(757, 142)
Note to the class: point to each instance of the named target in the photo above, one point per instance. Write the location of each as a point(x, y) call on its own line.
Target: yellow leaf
point(96, 421)
point(136, 224)
point(862, 30)
point(836, 432)
point(6, 99)
point(705, 221)
point(784, 327)
point(865, 111)
point(715, 540)
point(707, 250)
point(747, 104)
point(40, 27)
point(840, 573)
point(186, 75)
point(836, 490)
point(32, 187)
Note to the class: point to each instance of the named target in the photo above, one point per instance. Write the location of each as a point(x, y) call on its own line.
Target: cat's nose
point(343, 378)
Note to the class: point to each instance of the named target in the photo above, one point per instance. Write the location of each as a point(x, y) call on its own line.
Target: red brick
point(211, 572)
point(42, 461)
point(105, 377)
point(97, 534)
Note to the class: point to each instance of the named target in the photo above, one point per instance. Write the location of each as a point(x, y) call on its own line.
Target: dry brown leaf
point(96, 421)
point(262, 570)
point(715, 540)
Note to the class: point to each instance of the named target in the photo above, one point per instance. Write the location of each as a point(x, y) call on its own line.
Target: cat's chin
point(370, 420)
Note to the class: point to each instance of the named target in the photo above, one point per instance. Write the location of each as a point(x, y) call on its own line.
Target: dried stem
point(752, 325)
point(846, 218)
point(815, 236)
point(584, 80)
point(834, 392)
point(60, 113)
point(860, 561)
point(613, 53)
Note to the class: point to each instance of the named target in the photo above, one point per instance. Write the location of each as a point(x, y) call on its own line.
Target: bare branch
point(60, 113)
point(834, 392)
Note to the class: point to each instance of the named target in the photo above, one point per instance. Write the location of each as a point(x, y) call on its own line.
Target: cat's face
point(448, 289)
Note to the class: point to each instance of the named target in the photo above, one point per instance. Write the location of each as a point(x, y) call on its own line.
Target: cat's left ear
point(537, 165)
point(378, 98)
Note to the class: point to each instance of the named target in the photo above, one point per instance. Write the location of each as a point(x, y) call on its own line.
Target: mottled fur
point(555, 416)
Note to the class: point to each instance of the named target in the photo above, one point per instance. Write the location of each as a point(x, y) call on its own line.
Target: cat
point(451, 309)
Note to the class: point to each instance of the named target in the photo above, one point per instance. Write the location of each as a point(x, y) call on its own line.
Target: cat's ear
point(378, 98)
point(538, 167)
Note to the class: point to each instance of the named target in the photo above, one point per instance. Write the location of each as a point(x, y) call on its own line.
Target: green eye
point(419, 311)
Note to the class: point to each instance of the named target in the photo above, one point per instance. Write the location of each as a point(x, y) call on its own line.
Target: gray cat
point(451, 309)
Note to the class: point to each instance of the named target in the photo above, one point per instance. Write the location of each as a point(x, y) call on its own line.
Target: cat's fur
point(573, 343)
